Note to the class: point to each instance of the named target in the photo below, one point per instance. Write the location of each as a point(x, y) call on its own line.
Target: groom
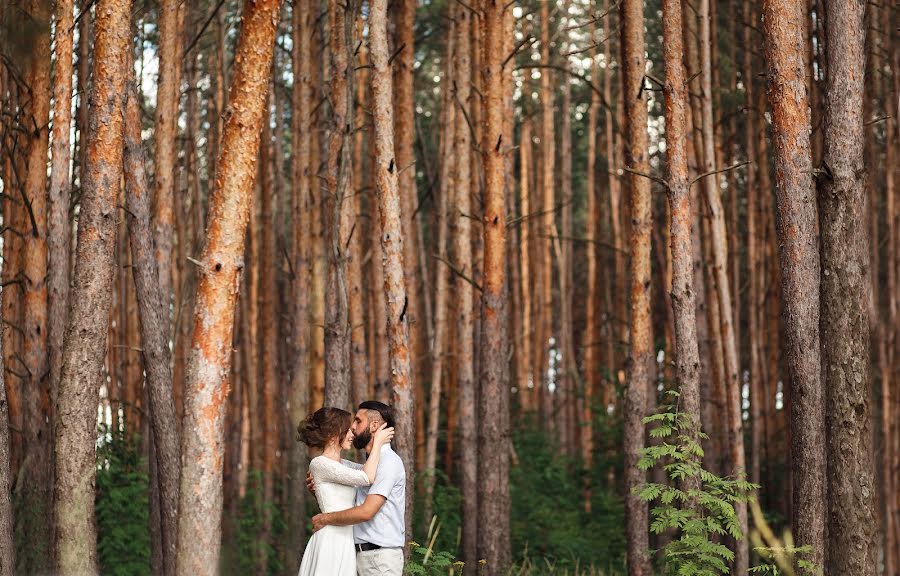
point(379, 526)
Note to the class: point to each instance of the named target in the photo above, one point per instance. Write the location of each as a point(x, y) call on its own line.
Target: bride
point(330, 551)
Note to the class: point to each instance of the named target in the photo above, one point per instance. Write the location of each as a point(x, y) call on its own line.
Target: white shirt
point(388, 527)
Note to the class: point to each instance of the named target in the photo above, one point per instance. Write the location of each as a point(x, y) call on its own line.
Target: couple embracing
point(361, 528)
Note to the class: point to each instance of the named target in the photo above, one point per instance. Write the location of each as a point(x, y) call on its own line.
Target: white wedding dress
point(330, 551)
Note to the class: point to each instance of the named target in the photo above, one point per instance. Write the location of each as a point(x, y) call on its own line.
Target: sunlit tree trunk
point(799, 266)
point(86, 327)
point(687, 360)
point(844, 322)
point(642, 357)
point(547, 225)
point(220, 265)
point(493, 413)
point(301, 172)
point(35, 487)
point(389, 208)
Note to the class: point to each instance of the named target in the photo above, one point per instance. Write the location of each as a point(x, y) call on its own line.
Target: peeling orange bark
point(221, 263)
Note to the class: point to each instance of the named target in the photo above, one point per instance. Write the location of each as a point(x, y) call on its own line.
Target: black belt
point(365, 547)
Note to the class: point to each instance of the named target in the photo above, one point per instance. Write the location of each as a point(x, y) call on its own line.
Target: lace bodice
point(335, 483)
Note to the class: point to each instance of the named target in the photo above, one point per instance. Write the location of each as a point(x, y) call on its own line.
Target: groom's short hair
point(385, 411)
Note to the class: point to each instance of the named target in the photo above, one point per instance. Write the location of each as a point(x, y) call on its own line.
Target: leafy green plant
point(779, 555)
point(696, 506)
point(122, 506)
point(425, 561)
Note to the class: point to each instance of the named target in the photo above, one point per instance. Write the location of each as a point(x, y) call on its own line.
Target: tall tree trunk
point(221, 262)
point(799, 267)
point(86, 326)
point(337, 174)
point(404, 136)
point(448, 183)
point(547, 222)
point(267, 331)
point(719, 242)
point(35, 488)
point(462, 253)
point(687, 359)
point(58, 229)
point(527, 377)
point(154, 332)
point(164, 162)
point(392, 240)
point(844, 321)
point(301, 170)
point(493, 418)
point(642, 357)
point(7, 521)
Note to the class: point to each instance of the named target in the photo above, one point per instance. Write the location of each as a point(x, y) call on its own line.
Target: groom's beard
point(361, 440)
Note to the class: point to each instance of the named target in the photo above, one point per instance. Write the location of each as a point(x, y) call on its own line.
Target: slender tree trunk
point(493, 420)
point(687, 359)
point(221, 262)
point(7, 521)
point(799, 267)
point(642, 357)
point(86, 328)
point(527, 377)
point(844, 322)
point(719, 244)
point(547, 224)
point(337, 174)
point(301, 170)
point(448, 183)
point(462, 253)
point(404, 134)
point(154, 332)
point(58, 229)
point(167, 95)
point(392, 240)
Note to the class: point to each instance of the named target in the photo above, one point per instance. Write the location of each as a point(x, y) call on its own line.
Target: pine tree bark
point(799, 267)
point(164, 162)
point(462, 253)
point(220, 266)
point(301, 170)
point(337, 174)
point(687, 359)
point(493, 418)
point(527, 377)
point(547, 224)
point(154, 333)
point(448, 183)
point(844, 321)
point(35, 487)
point(86, 328)
point(392, 240)
point(7, 521)
point(58, 228)
point(719, 243)
point(642, 357)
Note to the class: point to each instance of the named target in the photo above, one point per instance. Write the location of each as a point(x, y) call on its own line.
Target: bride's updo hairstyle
point(324, 425)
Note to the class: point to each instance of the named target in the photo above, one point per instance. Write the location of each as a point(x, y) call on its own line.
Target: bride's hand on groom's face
point(384, 434)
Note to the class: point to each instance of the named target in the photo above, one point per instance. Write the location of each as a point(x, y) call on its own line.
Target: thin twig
point(202, 29)
point(719, 171)
point(458, 272)
point(656, 179)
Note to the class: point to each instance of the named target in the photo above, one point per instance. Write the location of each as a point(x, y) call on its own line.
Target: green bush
point(122, 506)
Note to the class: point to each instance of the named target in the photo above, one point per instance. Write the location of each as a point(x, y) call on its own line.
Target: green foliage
point(549, 524)
point(122, 506)
point(696, 505)
point(424, 561)
point(446, 509)
point(785, 557)
point(249, 527)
